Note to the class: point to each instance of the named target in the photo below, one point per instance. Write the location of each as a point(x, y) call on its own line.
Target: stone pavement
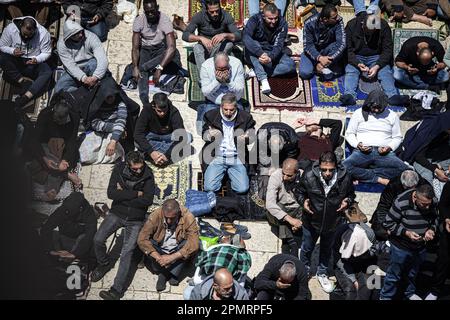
point(263, 243)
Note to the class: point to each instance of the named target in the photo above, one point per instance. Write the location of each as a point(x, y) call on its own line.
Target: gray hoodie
point(203, 291)
point(38, 47)
point(75, 55)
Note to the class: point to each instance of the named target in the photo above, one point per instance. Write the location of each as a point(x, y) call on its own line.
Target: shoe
point(347, 100)
point(21, 101)
point(174, 282)
point(398, 100)
point(431, 296)
point(99, 272)
point(250, 74)
point(161, 284)
point(265, 86)
point(25, 85)
point(110, 294)
point(415, 297)
point(326, 284)
point(435, 88)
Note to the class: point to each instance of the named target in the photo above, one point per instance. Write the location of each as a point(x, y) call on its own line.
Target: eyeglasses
point(327, 170)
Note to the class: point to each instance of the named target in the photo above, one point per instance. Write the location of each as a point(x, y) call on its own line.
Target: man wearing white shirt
point(374, 133)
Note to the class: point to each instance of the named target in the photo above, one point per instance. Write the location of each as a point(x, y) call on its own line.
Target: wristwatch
point(159, 67)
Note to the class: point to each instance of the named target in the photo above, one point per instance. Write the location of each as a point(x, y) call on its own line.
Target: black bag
point(174, 85)
point(228, 209)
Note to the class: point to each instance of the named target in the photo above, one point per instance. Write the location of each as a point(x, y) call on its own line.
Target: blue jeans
point(100, 29)
point(276, 68)
point(427, 174)
point(236, 172)
point(128, 263)
point(310, 237)
point(160, 143)
point(253, 6)
point(387, 166)
point(384, 75)
point(419, 81)
point(402, 263)
point(307, 67)
point(361, 7)
point(68, 83)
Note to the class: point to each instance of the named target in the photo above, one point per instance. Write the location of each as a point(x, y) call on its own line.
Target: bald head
point(289, 169)
point(223, 284)
point(223, 277)
point(288, 272)
point(425, 56)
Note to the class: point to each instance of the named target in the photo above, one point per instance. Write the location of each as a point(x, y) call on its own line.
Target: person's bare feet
point(75, 179)
point(383, 181)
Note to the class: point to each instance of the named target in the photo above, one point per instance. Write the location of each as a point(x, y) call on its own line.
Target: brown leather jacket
point(187, 229)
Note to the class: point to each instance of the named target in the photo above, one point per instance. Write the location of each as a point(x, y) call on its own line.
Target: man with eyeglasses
point(263, 38)
point(325, 191)
point(216, 31)
point(324, 43)
point(158, 129)
point(374, 133)
point(284, 210)
point(169, 240)
point(219, 75)
point(131, 187)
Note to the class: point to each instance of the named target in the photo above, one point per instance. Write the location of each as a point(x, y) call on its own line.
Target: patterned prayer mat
point(288, 92)
point(234, 7)
point(171, 182)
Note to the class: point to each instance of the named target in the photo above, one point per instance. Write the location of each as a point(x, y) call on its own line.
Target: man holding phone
point(411, 222)
point(420, 64)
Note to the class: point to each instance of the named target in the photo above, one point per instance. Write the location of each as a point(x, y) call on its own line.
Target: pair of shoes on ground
point(110, 294)
point(161, 284)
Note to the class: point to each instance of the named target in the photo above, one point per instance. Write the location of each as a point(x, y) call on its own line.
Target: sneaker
point(174, 282)
point(110, 294)
point(21, 101)
point(326, 284)
point(100, 272)
point(250, 74)
point(415, 297)
point(265, 86)
point(161, 284)
point(347, 100)
point(431, 296)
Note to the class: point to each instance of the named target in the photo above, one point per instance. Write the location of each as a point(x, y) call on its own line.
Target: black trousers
point(442, 263)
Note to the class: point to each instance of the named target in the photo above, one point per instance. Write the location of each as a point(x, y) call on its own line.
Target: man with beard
point(227, 130)
point(264, 36)
point(374, 133)
point(216, 31)
point(412, 222)
point(325, 191)
point(25, 47)
point(153, 48)
point(324, 42)
point(283, 208)
point(369, 50)
point(83, 58)
point(219, 286)
point(169, 240)
point(131, 187)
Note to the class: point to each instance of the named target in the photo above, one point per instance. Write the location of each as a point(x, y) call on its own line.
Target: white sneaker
point(265, 86)
point(415, 297)
point(250, 74)
point(431, 296)
point(326, 284)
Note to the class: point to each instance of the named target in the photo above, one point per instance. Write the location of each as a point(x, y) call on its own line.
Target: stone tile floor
point(263, 243)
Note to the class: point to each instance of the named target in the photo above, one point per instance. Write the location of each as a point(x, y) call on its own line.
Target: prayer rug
point(171, 182)
point(288, 92)
point(233, 7)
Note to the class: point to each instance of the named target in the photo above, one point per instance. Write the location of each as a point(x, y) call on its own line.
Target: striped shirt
point(405, 215)
point(114, 122)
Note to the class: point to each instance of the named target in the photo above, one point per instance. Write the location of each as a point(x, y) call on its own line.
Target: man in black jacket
point(158, 128)
point(77, 225)
point(325, 191)
point(406, 181)
point(93, 14)
point(131, 187)
point(276, 142)
point(227, 132)
point(369, 49)
point(443, 261)
point(283, 278)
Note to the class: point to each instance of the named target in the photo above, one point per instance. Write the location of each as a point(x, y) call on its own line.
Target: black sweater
point(438, 150)
point(90, 8)
point(380, 42)
point(267, 278)
point(73, 218)
point(149, 121)
point(444, 203)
